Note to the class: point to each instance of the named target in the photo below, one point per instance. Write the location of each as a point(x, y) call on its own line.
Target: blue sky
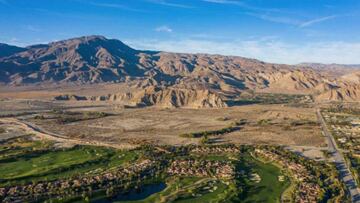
point(281, 31)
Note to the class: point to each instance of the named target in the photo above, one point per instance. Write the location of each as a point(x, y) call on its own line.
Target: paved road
point(340, 162)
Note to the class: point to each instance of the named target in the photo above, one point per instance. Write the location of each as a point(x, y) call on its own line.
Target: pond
point(136, 194)
point(142, 193)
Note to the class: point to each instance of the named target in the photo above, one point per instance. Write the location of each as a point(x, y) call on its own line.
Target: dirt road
point(31, 128)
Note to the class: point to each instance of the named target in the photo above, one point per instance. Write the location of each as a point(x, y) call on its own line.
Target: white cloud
point(264, 14)
point(268, 50)
point(245, 5)
point(276, 19)
point(224, 2)
point(13, 41)
point(164, 28)
point(32, 28)
point(115, 6)
point(167, 3)
point(292, 21)
point(317, 20)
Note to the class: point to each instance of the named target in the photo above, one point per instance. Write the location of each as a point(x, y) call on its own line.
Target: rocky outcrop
point(345, 92)
point(155, 96)
point(170, 97)
point(352, 77)
point(294, 81)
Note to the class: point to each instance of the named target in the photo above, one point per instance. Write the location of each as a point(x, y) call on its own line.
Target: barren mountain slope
point(353, 77)
point(95, 59)
point(343, 92)
point(331, 70)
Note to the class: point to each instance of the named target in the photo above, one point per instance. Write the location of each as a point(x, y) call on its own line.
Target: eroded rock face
point(344, 92)
point(162, 97)
point(170, 97)
point(352, 77)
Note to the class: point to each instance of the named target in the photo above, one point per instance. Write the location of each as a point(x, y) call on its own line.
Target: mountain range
point(171, 79)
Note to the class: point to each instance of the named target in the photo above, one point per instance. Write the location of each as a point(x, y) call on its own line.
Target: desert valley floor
point(102, 151)
point(283, 124)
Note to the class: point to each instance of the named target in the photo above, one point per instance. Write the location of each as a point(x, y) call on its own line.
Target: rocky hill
point(162, 78)
point(154, 96)
point(353, 77)
point(331, 70)
point(345, 92)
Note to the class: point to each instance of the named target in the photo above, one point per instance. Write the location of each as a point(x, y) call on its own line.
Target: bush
point(69, 117)
point(263, 122)
point(223, 119)
point(231, 128)
point(303, 122)
point(94, 114)
point(39, 117)
point(287, 128)
point(204, 140)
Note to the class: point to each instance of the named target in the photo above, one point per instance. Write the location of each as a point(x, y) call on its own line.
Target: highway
point(340, 162)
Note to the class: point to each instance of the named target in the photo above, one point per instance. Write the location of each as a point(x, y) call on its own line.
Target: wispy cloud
point(168, 3)
point(225, 2)
point(292, 20)
point(268, 50)
point(272, 14)
point(243, 5)
point(31, 28)
point(163, 28)
point(317, 20)
point(115, 6)
point(276, 19)
point(13, 41)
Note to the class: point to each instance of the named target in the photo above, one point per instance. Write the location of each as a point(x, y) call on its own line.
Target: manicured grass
point(32, 162)
point(46, 162)
point(206, 196)
point(269, 189)
point(21, 147)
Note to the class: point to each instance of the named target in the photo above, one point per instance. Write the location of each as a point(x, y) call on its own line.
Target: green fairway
point(213, 193)
point(269, 188)
point(28, 162)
